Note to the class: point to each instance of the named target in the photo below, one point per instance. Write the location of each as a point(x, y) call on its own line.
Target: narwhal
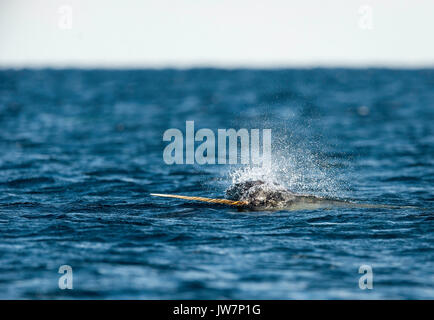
point(258, 195)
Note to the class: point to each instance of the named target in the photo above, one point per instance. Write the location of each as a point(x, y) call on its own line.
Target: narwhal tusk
point(210, 200)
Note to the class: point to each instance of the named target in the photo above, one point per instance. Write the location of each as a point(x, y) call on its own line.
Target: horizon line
point(222, 66)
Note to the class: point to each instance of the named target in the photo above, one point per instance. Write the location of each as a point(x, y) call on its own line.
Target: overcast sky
point(228, 33)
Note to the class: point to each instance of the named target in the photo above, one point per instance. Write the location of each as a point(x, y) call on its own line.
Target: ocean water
point(80, 151)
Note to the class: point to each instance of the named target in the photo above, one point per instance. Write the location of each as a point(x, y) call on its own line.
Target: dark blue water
point(80, 151)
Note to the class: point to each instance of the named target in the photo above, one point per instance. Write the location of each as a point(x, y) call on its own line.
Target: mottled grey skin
point(262, 195)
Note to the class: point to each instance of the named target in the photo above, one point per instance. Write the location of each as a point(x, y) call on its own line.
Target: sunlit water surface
point(80, 151)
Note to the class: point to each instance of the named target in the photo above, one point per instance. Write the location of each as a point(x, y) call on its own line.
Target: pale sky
point(221, 33)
